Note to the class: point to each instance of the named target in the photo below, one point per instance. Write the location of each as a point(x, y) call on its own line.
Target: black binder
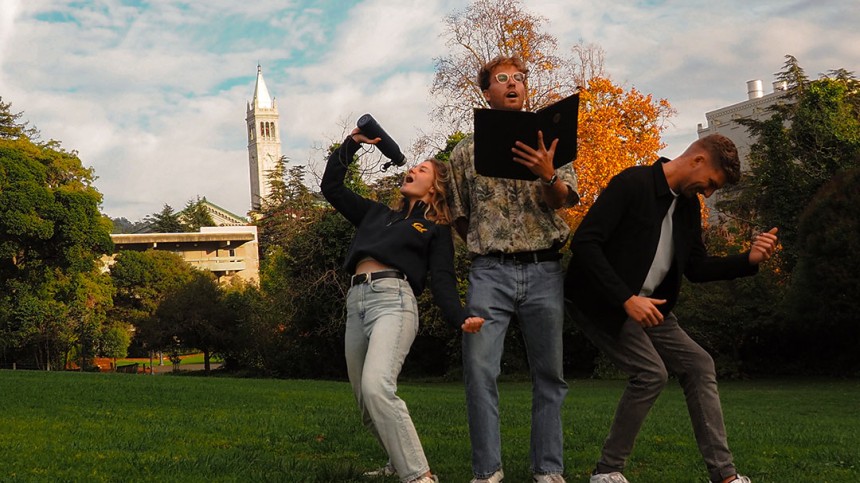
point(496, 131)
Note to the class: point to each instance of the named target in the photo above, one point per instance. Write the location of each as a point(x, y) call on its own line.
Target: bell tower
point(264, 143)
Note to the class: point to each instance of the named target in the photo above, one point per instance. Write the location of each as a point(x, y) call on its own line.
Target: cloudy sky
point(152, 94)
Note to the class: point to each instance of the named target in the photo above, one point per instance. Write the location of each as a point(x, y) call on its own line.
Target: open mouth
point(408, 179)
point(512, 95)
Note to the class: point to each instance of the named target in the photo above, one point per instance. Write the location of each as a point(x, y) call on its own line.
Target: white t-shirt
point(663, 256)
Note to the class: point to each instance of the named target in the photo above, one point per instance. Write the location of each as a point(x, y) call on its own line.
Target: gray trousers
point(647, 356)
point(381, 324)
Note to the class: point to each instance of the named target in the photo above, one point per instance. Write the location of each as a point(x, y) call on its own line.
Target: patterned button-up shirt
point(505, 215)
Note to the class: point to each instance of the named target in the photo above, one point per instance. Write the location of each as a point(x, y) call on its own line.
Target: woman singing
point(391, 254)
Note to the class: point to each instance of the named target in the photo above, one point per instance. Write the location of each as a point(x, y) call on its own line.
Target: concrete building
point(223, 217)
point(725, 121)
point(227, 251)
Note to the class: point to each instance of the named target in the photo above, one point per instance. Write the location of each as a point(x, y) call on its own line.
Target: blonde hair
point(437, 209)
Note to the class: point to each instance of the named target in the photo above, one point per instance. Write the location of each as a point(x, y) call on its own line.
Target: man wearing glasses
point(513, 235)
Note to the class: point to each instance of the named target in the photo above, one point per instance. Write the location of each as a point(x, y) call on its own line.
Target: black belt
point(527, 257)
point(360, 278)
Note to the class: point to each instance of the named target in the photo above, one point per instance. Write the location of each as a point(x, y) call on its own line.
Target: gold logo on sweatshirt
point(418, 226)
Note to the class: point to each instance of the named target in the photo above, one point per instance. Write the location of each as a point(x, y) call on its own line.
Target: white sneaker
point(496, 477)
point(614, 477)
point(426, 479)
point(387, 470)
point(740, 479)
point(553, 478)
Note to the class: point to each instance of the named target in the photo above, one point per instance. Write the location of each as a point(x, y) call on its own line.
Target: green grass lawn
point(187, 359)
point(57, 426)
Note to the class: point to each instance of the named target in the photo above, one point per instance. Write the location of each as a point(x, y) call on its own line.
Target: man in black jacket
point(628, 255)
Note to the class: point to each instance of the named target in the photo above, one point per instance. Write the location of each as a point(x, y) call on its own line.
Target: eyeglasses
point(503, 78)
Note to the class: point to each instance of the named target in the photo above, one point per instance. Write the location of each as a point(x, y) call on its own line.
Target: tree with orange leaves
point(618, 128)
point(483, 30)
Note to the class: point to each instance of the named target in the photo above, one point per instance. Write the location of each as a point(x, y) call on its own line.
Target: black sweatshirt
point(412, 244)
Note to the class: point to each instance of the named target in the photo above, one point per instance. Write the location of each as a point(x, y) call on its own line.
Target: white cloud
point(154, 97)
point(8, 11)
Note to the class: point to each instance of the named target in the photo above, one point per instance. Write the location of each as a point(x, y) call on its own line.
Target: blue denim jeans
point(534, 292)
point(381, 324)
point(647, 356)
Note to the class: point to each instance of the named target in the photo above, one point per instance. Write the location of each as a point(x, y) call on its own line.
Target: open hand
point(538, 161)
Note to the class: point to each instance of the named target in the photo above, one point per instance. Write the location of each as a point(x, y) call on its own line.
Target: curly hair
point(437, 210)
point(487, 69)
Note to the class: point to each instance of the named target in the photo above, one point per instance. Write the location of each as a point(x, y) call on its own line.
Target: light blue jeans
point(647, 356)
point(534, 292)
point(381, 324)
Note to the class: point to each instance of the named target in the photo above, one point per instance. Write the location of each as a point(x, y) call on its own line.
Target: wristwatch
point(551, 180)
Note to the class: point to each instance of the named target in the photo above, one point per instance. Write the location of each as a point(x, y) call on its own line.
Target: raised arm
point(352, 206)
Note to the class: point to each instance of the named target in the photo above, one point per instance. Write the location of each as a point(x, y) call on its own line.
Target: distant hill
point(121, 225)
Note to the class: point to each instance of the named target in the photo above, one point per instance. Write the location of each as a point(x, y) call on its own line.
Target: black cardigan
point(412, 244)
point(613, 247)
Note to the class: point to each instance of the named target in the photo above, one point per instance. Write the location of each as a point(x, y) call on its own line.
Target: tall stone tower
point(264, 143)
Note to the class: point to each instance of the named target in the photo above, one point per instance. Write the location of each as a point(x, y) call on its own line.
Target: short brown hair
point(723, 154)
point(487, 69)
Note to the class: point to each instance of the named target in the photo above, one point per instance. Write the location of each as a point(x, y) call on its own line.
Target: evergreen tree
point(276, 180)
point(10, 125)
point(802, 179)
point(800, 148)
point(300, 306)
point(793, 75)
point(195, 215)
point(165, 221)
